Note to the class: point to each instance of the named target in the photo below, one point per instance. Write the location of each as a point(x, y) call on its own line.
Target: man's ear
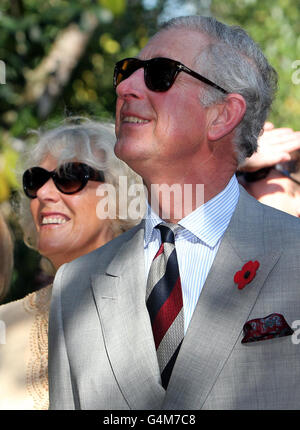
point(224, 117)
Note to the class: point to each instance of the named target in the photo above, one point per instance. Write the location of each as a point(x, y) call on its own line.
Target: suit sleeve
point(59, 375)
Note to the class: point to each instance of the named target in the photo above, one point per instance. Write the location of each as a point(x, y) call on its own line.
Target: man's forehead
point(179, 44)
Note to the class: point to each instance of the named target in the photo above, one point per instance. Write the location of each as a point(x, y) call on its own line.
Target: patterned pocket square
point(272, 326)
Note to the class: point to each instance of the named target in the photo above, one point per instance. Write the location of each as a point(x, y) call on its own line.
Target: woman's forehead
point(49, 162)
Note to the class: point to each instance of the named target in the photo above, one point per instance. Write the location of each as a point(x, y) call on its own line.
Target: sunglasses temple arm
point(97, 176)
point(286, 173)
point(201, 78)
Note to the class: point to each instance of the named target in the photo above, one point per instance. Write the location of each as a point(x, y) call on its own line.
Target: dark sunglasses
point(68, 178)
point(159, 73)
point(264, 172)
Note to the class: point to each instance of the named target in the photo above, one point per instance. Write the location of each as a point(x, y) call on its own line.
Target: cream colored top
point(24, 352)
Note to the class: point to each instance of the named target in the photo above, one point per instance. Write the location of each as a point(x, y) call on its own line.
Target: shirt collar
point(208, 222)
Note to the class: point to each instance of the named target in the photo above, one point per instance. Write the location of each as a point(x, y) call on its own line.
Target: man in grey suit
point(189, 109)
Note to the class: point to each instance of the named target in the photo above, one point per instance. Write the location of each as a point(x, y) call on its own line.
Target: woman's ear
point(224, 117)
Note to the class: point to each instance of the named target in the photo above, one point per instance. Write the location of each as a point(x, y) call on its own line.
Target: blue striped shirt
point(196, 243)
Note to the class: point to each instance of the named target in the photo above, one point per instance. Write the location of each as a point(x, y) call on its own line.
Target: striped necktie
point(164, 302)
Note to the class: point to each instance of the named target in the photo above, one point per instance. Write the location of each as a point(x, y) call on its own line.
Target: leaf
point(117, 7)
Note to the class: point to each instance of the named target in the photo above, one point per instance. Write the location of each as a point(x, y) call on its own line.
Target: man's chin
point(129, 151)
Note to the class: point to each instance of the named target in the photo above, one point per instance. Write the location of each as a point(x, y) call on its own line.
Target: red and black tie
point(164, 302)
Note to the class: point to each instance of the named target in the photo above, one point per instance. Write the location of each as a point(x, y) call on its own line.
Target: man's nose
point(134, 86)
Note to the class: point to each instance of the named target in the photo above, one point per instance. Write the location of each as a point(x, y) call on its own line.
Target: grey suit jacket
point(101, 348)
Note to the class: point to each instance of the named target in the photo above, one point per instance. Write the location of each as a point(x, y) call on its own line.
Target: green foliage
point(117, 7)
point(29, 29)
point(8, 162)
point(275, 26)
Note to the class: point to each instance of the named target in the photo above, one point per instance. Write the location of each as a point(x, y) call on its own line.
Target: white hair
point(236, 63)
point(88, 142)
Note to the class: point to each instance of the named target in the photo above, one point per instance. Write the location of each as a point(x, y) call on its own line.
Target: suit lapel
point(120, 298)
point(222, 309)
point(215, 328)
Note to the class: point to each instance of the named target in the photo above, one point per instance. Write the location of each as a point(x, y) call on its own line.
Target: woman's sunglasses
point(159, 73)
point(68, 178)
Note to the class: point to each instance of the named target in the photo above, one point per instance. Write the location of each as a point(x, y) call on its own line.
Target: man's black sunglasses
point(68, 178)
point(159, 73)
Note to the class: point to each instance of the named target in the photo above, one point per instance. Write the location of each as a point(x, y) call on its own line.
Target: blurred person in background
point(6, 257)
point(272, 174)
point(61, 220)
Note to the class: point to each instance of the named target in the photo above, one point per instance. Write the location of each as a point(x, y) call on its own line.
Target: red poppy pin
point(245, 276)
